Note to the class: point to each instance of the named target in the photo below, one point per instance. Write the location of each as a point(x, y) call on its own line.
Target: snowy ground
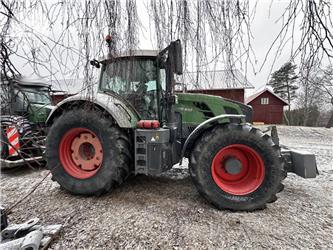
point(167, 212)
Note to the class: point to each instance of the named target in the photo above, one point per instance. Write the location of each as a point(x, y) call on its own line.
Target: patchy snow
point(168, 212)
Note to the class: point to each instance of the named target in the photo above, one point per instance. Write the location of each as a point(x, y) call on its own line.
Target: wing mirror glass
point(177, 56)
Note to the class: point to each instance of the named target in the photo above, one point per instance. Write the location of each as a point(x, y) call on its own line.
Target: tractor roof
point(139, 53)
point(133, 53)
point(28, 82)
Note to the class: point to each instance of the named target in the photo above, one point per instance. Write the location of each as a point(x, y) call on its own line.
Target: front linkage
point(299, 162)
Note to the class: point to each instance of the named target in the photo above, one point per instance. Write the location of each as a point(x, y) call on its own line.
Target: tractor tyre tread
point(223, 135)
point(116, 146)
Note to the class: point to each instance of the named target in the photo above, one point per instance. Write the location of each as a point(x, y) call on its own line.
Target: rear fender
point(124, 117)
point(191, 139)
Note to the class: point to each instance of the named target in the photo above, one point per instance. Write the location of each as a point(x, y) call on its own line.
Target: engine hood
point(196, 108)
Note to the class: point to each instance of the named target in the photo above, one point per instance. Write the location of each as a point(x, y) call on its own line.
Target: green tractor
point(25, 106)
point(135, 123)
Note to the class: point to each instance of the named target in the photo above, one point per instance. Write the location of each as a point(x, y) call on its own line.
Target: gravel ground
point(167, 211)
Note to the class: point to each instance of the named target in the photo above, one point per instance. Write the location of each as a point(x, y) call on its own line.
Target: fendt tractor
point(135, 123)
point(25, 106)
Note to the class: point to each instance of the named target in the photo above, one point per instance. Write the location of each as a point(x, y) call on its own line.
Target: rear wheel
point(236, 167)
point(86, 153)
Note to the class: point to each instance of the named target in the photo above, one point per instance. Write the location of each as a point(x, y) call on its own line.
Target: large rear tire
point(236, 167)
point(86, 153)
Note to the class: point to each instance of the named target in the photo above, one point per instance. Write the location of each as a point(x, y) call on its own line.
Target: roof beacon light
point(108, 38)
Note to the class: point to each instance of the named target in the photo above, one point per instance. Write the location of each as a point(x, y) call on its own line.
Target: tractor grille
point(246, 110)
point(203, 107)
point(229, 110)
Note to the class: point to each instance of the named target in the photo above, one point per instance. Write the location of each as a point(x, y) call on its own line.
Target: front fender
point(123, 115)
point(191, 139)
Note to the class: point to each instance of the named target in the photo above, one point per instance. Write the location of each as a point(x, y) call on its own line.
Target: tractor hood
point(196, 108)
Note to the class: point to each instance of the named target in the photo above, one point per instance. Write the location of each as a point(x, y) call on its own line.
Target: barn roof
point(215, 80)
point(259, 93)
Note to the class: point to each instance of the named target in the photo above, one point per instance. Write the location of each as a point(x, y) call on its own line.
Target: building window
point(264, 100)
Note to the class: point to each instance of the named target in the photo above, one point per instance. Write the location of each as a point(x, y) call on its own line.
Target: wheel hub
point(80, 153)
point(238, 169)
point(87, 151)
point(232, 166)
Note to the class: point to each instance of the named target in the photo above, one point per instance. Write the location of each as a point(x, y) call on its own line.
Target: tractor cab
point(144, 79)
point(26, 97)
point(136, 78)
point(25, 105)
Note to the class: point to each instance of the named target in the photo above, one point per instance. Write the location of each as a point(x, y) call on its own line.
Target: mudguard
point(122, 114)
point(202, 127)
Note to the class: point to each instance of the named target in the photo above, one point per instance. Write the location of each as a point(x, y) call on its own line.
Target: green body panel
point(38, 113)
point(196, 108)
point(36, 109)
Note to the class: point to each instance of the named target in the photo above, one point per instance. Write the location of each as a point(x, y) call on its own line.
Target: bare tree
point(315, 43)
point(215, 34)
point(316, 91)
point(6, 44)
point(327, 86)
point(311, 94)
point(211, 31)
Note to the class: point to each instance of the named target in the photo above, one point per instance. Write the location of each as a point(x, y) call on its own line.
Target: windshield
point(135, 80)
point(38, 97)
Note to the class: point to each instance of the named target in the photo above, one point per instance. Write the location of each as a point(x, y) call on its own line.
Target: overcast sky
point(264, 29)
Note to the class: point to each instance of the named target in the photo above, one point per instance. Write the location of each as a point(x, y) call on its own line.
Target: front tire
point(86, 153)
point(236, 167)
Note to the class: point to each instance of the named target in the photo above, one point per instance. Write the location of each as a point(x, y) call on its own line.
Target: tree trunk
point(330, 122)
point(286, 118)
point(288, 93)
point(198, 44)
point(306, 112)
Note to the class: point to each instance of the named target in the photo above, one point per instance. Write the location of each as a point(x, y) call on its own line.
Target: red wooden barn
point(267, 107)
point(228, 84)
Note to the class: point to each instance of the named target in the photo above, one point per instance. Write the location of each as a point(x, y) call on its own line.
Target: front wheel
point(86, 153)
point(236, 167)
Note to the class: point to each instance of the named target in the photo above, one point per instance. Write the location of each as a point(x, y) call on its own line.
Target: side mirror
point(95, 63)
point(177, 56)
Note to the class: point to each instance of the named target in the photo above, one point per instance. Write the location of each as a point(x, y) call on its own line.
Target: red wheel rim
point(238, 169)
point(80, 153)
